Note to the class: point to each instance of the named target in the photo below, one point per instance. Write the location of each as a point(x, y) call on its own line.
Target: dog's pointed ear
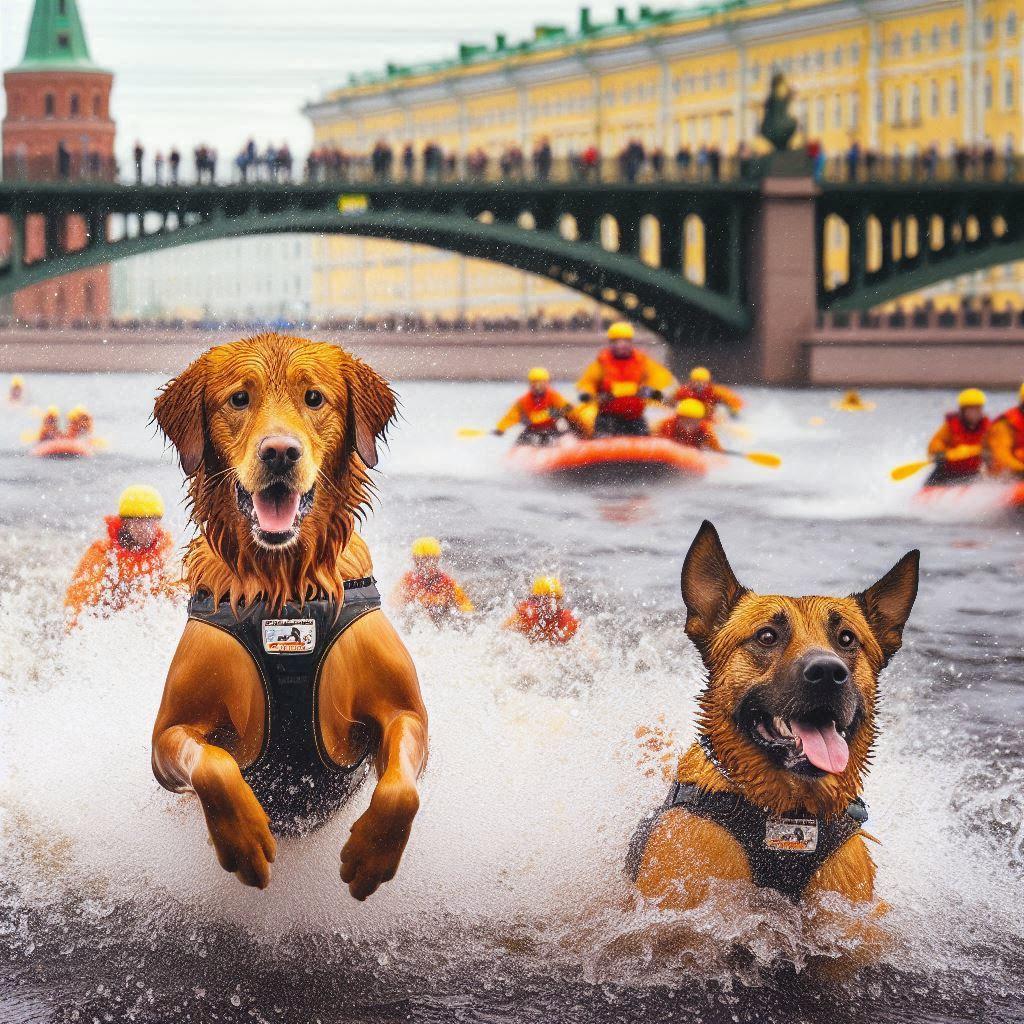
point(710, 588)
point(180, 413)
point(371, 407)
point(887, 603)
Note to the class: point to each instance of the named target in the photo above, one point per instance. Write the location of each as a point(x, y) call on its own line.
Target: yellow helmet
point(77, 413)
point(140, 501)
point(620, 331)
point(538, 374)
point(700, 375)
point(1020, 394)
point(692, 409)
point(970, 396)
point(17, 381)
point(426, 547)
point(547, 586)
point(52, 410)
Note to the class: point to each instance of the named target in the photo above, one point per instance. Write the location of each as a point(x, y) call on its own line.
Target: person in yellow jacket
point(621, 380)
point(131, 562)
point(49, 426)
point(711, 395)
point(1005, 440)
point(16, 392)
point(427, 587)
point(957, 445)
point(539, 411)
point(80, 424)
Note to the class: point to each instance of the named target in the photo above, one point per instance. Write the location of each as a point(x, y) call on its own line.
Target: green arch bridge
point(764, 268)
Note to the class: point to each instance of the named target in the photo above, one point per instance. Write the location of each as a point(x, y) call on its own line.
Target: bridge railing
point(891, 169)
point(59, 167)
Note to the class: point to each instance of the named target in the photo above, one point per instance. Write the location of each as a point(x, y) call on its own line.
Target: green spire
point(56, 39)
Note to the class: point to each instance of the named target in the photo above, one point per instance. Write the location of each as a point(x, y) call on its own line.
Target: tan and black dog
point(288, 680)
point(770, 792)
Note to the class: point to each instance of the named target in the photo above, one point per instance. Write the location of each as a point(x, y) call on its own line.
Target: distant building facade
point(894, 78)
point(263, 278)
point(58, 126)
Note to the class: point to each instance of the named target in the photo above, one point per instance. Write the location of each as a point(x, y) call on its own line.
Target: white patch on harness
point(289, 636)
point(792, 835)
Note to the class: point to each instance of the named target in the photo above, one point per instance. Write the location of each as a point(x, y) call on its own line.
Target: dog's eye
point(846, 638)
point(767, 637)
point(239, 400)
point(314, 398)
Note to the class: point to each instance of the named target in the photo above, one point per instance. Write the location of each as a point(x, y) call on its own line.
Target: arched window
point(897, 107)
point(915, 104)
point(954, 34)
point(954, 96)
point(1011, 24)
point(1009, 92)
point(986, 92)
point(934, 101)
point(74, 104)
point(49, 105)
point(97, 104)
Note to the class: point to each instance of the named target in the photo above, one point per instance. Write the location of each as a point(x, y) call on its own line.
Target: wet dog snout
point(823, 670)
point(280, 452)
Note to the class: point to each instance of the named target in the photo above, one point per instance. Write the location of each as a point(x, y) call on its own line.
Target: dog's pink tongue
point(823, 746)
point(275, 510)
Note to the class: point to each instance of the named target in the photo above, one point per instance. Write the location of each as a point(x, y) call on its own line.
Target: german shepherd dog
point(770, 792)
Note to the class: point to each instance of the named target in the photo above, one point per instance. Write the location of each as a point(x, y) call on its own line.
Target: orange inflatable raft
point(62, 448)
point(610, 457)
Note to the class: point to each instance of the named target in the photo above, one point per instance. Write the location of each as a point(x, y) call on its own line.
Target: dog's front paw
point(238, 826)
point(371, 855)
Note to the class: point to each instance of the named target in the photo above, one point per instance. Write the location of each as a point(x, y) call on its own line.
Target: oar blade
point(909, 469)
point(470, 432)
point(764, 459)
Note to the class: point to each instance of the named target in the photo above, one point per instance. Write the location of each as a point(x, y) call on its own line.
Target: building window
point(1011, 24)
point(707, 81)
point(933, 98)
point(954, 96)
point(854, 53)
point(915, 41)
point(819, 114)
point(62, 7)
point(63, 40)
point(819, 60)
point(915, 104)
point(74, 104)
point(896, 45)
point(897, 107)
point(954, 34)
point(755, 71)
point(988, 30)
point(986, 92)
point(837, 111)
point(723, 78)
point(805, 62)
point(49, 104)
point(1009, 94)
point(854, 111)
point(879, 108)
point(96, 105)
point(936, 38)
point(837, 57)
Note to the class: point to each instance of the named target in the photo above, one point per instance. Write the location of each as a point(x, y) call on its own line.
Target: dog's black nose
point(825, 670)
point(280, 452)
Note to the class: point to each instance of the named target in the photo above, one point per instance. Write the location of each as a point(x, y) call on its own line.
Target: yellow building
point(897, 77)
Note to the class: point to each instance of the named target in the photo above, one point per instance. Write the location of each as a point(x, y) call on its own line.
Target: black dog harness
point(294, 777)
point(783, 851)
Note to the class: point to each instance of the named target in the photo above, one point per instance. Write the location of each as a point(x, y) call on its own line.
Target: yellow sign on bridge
point(352, 204)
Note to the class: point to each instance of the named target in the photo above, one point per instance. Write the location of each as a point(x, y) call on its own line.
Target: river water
point(510, 903)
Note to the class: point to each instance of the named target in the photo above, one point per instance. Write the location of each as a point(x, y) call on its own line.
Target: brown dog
point(770, 793)
point(288, 676)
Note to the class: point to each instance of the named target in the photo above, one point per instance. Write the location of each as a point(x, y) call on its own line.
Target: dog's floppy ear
point(180, 413)
point(887, 603)
point(710, 588)
point(371, 407)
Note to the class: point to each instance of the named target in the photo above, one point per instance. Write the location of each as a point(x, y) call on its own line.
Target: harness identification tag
point(289, 636)
point(791, 835)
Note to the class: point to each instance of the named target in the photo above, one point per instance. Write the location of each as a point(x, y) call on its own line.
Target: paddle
point(963, 451)
point(470, 433)
point(758, 458)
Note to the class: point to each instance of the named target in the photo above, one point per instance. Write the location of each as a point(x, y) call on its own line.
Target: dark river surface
point(510, 904)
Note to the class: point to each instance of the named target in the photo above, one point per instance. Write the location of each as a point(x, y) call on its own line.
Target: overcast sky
point(219, 70)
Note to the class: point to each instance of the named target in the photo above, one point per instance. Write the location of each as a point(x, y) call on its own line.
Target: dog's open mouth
point(276, 512)
point(808, 746)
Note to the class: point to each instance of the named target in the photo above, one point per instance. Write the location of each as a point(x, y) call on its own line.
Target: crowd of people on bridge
point(167, 169)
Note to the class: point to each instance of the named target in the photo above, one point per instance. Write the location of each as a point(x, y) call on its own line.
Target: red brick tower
point(58, 126)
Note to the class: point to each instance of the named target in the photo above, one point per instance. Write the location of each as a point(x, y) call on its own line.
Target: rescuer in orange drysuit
point(49, 426)
point(131, 562)
point(691, 426)
point(622, 378)
point(427, 587)
point(539, 411)
point(80, 424)
point(958, 443)
point(1005, 440)
point(542, 617)
point(705, 390)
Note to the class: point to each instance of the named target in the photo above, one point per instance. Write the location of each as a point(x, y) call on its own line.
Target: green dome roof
point(56, 39)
